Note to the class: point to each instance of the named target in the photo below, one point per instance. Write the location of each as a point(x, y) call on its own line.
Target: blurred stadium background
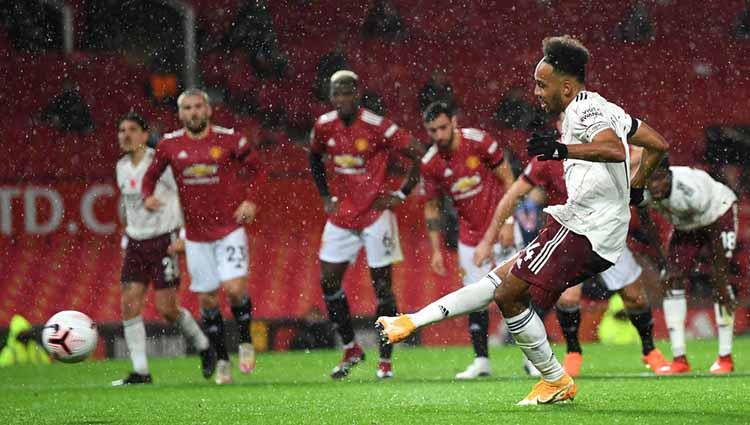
point(70, 68)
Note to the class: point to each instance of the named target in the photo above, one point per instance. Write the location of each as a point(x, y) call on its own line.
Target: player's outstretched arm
point(654, 149)
point(503, 211)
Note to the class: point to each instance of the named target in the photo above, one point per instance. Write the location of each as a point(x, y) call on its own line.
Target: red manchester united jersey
point(549, 176)
point(206, 171)
point(467, 175)
point(359, 153)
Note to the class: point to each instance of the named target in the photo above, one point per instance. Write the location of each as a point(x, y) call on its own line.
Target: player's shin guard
point(675, 312)
point(528, 331)
point(188, 326)
point(338, 312)
point(135, 339)
point(243, 315)
point(479, 323)
point(570, 322)
point(386, 307)
point(213, 324)
point(644, 323)
point(725, 323)
point(474, 297)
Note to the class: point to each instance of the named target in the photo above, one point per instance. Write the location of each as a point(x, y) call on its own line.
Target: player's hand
point(245, 213)
point(152, 203)
point(437, 263)
point(176, 247)
point(724, 295)
point(546, 147)
point(330, 204)
point(505, 237)
point(388, 201)
point(482, 253)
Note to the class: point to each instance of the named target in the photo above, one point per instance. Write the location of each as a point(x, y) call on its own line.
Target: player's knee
point(568, 301)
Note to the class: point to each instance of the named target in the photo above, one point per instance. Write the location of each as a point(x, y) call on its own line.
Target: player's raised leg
point(166, 305)
point(470, 298)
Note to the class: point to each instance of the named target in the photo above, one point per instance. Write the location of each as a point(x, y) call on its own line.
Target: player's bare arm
point(432, 221)
point(414, 152)
point(654, 148)
point(504, 173)
point(503, 211)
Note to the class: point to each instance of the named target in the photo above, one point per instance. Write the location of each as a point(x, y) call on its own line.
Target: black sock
point(479, 323)
point(643, 321)
point(243, 315)
point(338, 312)
point(386, 307)
point(570, 321)
point(213, 325)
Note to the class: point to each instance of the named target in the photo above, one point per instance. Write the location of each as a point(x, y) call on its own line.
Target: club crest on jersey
point(182, 155)
point(133, 183)
point(361, 144)
point(472, 162)
point(215, 152)
point(200, 170)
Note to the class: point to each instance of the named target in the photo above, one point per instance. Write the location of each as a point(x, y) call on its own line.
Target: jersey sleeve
point(395, 137)
point(589, 120)
point(531, 172)
point(256, 175)
point(430, 183)
point(155, 170)
point(317, 144)
point(490, 152)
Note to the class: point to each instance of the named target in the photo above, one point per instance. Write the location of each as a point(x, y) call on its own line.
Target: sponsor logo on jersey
point(473, 162)
point(361, 144)
point(466, 187)
point(200, 170)
point(348, 161)
point(215, 152)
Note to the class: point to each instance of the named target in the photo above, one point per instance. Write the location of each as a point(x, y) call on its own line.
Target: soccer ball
point(69, 336)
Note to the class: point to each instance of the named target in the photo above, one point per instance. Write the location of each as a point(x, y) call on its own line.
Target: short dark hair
point(566, 55)
point(435, 109)
point(663, 164)
point(136, 118)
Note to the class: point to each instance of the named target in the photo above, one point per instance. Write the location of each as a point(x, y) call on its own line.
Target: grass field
point(294, 388)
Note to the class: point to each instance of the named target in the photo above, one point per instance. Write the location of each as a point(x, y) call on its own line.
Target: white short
point(471, 273)
point(380, 239)
point(211, 263)
point(624, 272)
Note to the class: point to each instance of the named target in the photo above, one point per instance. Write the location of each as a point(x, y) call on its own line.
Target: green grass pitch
point(294, 388)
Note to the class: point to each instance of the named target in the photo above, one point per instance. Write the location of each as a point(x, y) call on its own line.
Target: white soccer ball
point(70, 336)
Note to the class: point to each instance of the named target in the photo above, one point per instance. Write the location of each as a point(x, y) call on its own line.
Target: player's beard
point(196, 126)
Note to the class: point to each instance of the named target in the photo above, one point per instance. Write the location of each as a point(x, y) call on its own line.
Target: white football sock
point(468, 299)
point(725, 323)
point(528, 331)
point(675, 312)
point(187, 324)
point(135, 339)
